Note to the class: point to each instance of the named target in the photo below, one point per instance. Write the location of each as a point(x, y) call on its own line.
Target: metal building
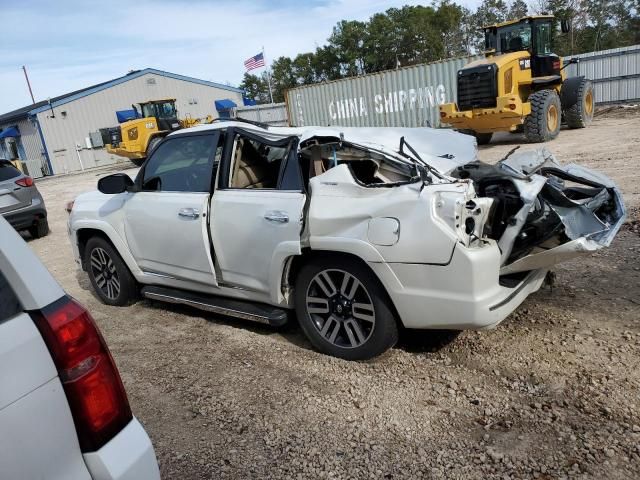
point(60, 135)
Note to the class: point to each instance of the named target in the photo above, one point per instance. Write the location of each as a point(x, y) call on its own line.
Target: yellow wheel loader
point(137, 137)
point(520, 85)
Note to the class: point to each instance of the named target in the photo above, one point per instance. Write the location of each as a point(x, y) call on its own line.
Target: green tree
point(518, 9)
point(256, 87)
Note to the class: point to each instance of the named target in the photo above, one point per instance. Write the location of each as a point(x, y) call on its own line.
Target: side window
point(255, 164)
point(181, 164)
point(9, 304)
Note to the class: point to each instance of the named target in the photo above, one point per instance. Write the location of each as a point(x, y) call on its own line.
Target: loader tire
point(580, 114)
point(543, 123)
point(483, 138)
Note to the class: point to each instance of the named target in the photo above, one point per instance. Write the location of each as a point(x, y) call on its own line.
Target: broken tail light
point(91, 381)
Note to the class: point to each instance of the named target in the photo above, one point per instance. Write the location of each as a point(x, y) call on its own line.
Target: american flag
point(256, 61)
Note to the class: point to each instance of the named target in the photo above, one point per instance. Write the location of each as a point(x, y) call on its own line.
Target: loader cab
point(531, 34)
point(164, 111)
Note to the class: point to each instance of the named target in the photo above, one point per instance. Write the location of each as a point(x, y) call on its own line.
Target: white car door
point(166, 220)
point(256, 211)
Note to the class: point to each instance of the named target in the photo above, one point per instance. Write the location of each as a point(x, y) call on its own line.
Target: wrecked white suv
point(360, 230)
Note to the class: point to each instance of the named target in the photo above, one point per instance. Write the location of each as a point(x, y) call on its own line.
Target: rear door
point(166, 221)
point(12, 195)
point(256, 210)
point(37, 434)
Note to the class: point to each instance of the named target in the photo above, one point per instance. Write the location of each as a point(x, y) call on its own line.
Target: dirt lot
point(553, 392)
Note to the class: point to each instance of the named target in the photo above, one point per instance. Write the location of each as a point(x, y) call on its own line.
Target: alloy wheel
point(104, 273)
point(340, 308)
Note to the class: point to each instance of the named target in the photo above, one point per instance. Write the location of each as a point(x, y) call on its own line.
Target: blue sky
point(70, 44)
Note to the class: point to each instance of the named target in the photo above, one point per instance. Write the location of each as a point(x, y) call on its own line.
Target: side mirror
point(565, 26)
point(116, 183)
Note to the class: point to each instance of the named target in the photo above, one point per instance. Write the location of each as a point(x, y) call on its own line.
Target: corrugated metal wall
point(88, 114)
point(407, 97)
point(615, 73)
point(271, 114)
point(30, 146)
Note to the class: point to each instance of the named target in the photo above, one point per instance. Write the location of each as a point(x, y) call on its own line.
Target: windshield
point(159, 110)
point(514, 38)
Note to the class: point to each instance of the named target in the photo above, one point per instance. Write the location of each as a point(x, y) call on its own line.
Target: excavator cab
point(531, 34)
point(164, 111)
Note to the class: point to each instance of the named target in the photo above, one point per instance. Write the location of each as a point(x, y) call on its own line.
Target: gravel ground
point(551, 393)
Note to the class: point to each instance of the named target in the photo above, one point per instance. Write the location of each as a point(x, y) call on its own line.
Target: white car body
point(410, 232)
point(38, 438)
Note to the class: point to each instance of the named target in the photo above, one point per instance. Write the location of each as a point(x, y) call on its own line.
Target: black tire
point(580, 114)
point(355, 337)
point(138, 161)
point(104, 264)
point(483, 138)
point(40, 229)
point(538, 125)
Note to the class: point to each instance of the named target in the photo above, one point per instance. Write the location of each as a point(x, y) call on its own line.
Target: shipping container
point(274, 114)
point(405, 97)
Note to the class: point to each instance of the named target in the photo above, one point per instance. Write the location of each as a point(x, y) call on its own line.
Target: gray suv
point(20, 201)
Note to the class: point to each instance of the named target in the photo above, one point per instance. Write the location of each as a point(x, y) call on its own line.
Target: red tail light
point(25, 182)
point(91, 381)
point(556, 64)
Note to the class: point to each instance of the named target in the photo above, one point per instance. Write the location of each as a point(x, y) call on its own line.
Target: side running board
point(257, 312)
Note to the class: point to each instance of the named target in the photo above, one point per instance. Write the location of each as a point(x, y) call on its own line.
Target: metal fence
point(406, 97)
point(615, 73)
point(272, 114)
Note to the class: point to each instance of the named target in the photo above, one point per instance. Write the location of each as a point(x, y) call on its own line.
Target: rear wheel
point(109, 275)
point(343, 309)
point(580, 114)
point(543, 123)
point(483, 138)
point(40, 229)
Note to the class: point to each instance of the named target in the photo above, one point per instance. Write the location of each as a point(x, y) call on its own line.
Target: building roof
point(37, 107)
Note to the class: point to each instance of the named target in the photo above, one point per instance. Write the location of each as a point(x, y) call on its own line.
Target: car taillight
point(91, 381)
point(25, 182)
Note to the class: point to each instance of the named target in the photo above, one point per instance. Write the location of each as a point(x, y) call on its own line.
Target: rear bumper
point(465, 294)
point(26, 217)
point(507, 114)
point(128, 456)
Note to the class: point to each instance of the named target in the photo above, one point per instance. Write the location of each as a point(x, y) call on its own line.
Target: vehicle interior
point(256, 164)
point(367, 167)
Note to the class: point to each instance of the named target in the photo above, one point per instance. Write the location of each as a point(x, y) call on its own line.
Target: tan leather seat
point(250, 170)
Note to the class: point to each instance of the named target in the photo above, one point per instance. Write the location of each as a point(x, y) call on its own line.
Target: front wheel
point(343, 309)
point(109, 275)
point(543, 123)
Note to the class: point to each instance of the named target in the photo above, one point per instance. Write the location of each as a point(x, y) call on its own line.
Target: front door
point(166, 222)
point(256, 211)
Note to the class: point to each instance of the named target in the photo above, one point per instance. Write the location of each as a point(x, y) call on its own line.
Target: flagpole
point(268, 74)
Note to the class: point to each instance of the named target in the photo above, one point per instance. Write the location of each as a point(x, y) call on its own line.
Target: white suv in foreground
point(359, 230)
point(64, 414)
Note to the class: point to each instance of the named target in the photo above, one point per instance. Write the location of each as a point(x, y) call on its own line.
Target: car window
point(8, 171)
point(255, 164)
point(181, 164)
point(9, 304)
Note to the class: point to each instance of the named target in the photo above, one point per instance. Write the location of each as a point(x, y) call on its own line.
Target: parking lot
point(551, 393)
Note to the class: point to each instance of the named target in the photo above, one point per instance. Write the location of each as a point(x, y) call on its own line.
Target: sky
point(71, 44)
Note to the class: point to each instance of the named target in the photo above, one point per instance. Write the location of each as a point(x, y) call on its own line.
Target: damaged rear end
point(544, 213)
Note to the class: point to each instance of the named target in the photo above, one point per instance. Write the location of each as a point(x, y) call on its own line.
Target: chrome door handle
point(192, 213)
point(277, 216)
